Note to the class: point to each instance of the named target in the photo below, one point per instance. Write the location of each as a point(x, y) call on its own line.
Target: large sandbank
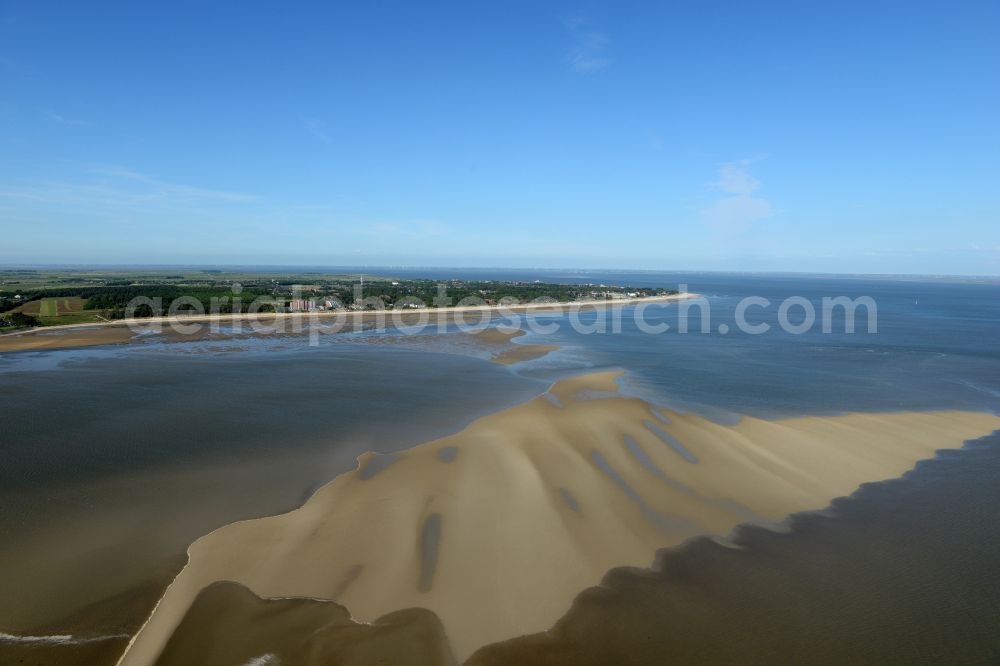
point(497, 528)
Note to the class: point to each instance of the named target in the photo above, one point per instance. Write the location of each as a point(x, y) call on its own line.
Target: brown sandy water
point(228, 624)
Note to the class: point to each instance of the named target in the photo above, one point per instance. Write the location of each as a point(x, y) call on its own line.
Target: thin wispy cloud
point(739, 209)
point(318, 129)
point(411, 229)
point(60, 119)
point(588, 51)
point(169, 188)
point(118, 187)
point(735, 178)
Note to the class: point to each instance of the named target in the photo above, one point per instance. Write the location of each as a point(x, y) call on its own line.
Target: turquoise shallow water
point(129, 453)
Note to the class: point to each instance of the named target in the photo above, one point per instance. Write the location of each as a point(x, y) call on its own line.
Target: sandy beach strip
point(497, 528)
point(121, 331)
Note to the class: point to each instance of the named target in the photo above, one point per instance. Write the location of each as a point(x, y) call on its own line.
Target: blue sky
point(836, 137)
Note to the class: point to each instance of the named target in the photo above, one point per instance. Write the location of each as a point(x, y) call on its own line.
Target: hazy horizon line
point(262, 267)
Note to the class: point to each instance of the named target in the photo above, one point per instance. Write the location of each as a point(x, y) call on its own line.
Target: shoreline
point(518, 308)
point(124, 331)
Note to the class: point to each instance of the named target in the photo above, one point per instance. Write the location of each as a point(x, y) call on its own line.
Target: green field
point(15, 280)
point(60, 310)
point(49, 307)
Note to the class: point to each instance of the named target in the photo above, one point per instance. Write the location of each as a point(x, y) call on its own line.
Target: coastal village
point(322, 304)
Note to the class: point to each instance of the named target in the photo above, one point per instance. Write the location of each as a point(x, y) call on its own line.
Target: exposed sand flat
point(497, 336)
point(531, 505)
point(507, 352)
point(909, 564)
point(520, 353)
point(80, 337)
